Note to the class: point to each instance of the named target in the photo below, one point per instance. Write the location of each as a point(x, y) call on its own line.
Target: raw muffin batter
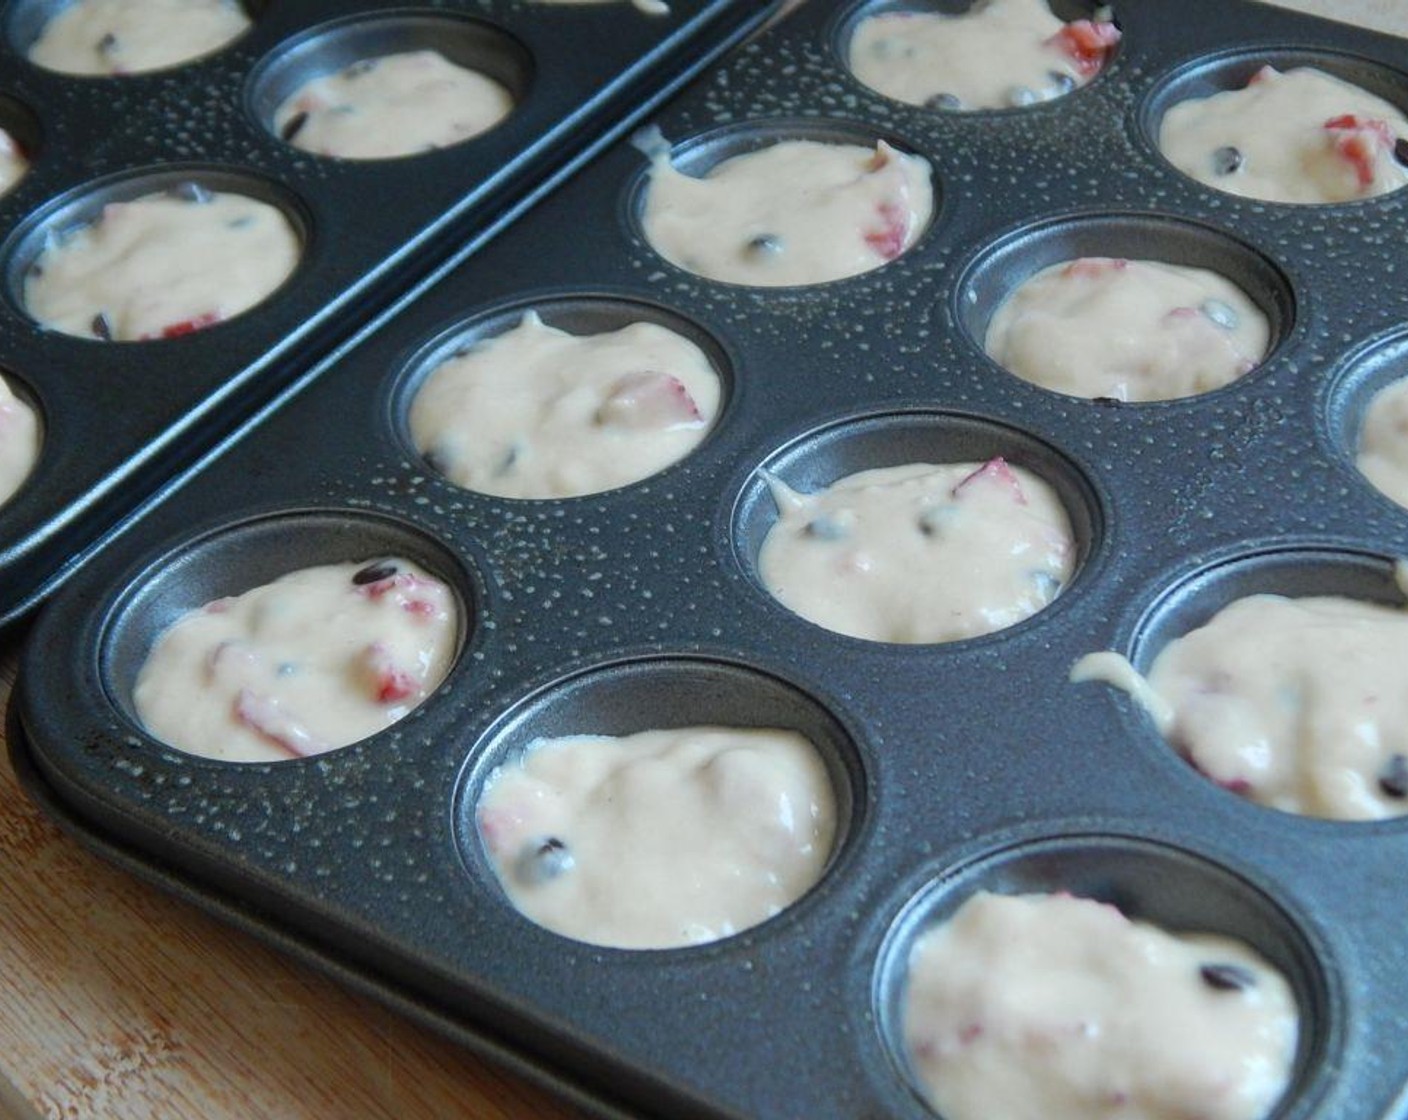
point(795, 212)
point(162, 266)
point(395, 105)
point(998, 54)
point(1128, 330)
point(1383, 443)
point(19, 441)
point(919, 553)
point(540, 413)
point(130, 36)
point(317, 659)
point(1301, 136)
point(1298, 704)
point(1050, 1007)
point(13, 163)
point(662, 838)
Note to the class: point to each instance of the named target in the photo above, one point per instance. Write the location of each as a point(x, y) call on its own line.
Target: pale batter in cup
point(1383, 442)
point(390, 106)
point(919, 552)
point(999, 54)
point(1128, 330)
point(795, 212)
point(537, 412)
point(14, 165)
point(1052, 1007)
point(19, 441)
point(315, 660)
point(661, 838)
point(117, 37)
point(1300, 136)
point(162, 266)
point(1297, 704)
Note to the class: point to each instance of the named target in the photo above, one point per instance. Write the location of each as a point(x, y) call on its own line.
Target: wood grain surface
point(118, 1003)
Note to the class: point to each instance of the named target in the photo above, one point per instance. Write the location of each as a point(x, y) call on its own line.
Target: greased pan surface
point(960, 765)
point(119, 417)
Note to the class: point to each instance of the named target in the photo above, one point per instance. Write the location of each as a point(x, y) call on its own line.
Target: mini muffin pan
point(957, 766)
point(119, 418)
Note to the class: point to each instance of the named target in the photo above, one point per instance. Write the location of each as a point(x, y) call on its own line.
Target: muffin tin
point(119, 418)
point(957, 766)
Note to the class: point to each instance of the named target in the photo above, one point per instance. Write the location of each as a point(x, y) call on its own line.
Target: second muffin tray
point(118, 418)
point(958, 766)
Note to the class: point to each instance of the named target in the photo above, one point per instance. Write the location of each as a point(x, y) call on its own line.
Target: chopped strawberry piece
point(393, 685)
point(266, 718)
point(1360, 141)
point(649, 399)
point(994, 470)
point(1087, 43)
point(376, 589)
point(1088, 268)
point(186, 326)
point(422, 607)
point(386, 681)
point(890, 239)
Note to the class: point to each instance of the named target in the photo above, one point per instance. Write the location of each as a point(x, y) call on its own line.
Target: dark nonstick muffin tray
point(956, 766)
point(120, 417)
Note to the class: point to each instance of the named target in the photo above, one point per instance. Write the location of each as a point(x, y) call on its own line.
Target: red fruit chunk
point(889, 240)
point(649, 399)
point(1087, 43)
point(994, 470)
point(1088, 268)
point(386, 681)
point(187, 326)
point(378, 588)
point(1360, 141)
point(422, 607)
point(266, 718)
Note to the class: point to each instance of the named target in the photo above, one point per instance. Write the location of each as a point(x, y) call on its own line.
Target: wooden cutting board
point(118, 1003)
